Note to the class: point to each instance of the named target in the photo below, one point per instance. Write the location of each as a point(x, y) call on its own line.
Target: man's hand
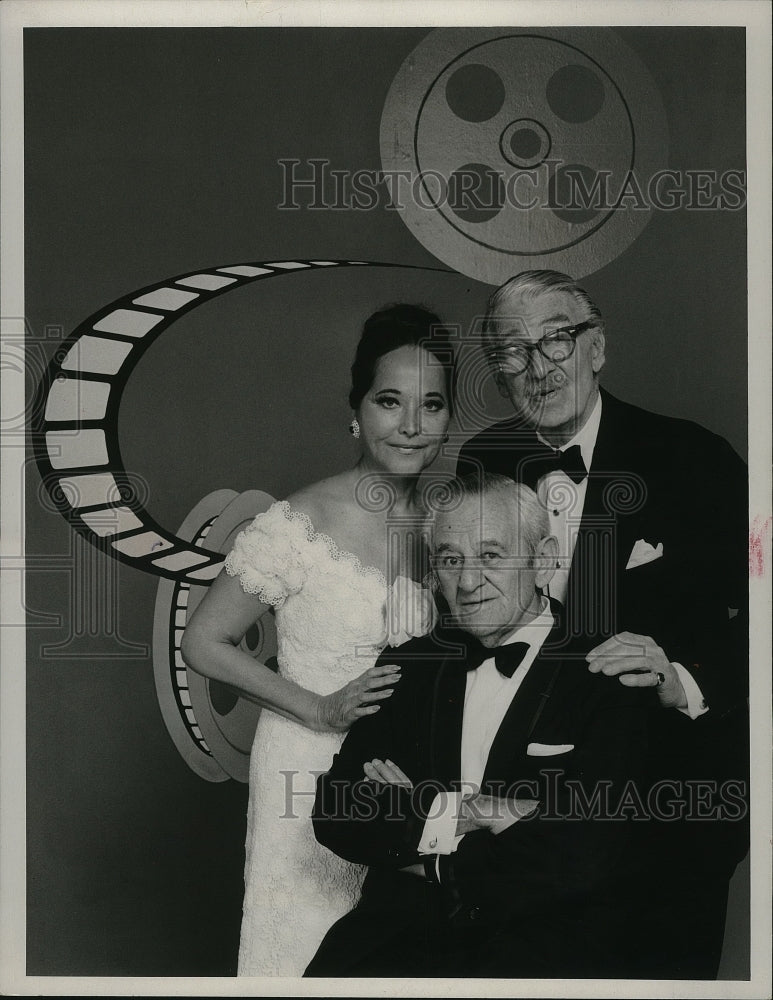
point(637, 660)
point(487, 812)
point(386, 772)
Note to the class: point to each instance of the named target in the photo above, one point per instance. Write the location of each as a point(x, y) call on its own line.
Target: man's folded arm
point(572, 844)
point(364, 821)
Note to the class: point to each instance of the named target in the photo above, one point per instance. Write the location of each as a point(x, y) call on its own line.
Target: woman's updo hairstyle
point(398, 326)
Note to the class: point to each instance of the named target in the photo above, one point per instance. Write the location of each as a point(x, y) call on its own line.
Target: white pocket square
point(548, 749)
point(643, 552)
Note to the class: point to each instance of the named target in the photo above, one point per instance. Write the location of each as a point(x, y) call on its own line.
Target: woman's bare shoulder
point(324, 502)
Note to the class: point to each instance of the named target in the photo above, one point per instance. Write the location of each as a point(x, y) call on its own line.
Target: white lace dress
point(331, 618)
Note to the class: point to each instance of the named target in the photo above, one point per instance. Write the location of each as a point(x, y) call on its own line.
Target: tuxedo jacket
point(671, 483)
point(574, 741)
point(660, 481)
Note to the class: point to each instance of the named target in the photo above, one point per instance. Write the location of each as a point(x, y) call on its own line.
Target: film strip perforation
point(75, 432)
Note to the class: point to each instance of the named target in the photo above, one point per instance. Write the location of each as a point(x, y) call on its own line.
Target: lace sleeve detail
point(270, 555)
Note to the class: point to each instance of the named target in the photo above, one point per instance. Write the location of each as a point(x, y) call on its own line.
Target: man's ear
point(546, 560)
point(598, 355)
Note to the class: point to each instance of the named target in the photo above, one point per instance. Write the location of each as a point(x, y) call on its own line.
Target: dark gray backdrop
point(150, 152)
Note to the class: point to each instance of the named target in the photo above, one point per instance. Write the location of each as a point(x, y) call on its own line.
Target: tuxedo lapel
point(513, 735)
point(605, 465)
point(445, 730)
point(594, 573)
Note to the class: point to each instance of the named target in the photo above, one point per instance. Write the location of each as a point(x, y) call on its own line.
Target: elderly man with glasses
point(650, 513)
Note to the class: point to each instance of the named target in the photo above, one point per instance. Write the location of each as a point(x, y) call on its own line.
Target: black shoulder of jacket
point(438, 646)
point(648, 430)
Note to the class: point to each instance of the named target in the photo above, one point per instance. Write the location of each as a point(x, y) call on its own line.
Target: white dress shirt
point(565, 501)
point(488, 695)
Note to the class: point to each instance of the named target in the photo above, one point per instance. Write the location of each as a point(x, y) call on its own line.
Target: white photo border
point(15, 15)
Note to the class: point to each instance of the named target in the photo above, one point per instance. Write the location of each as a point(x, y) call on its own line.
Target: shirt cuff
point(439, 833)
point(696, 703)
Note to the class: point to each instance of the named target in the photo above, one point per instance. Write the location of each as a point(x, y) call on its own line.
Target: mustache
point(554, 380)
point(532, 398)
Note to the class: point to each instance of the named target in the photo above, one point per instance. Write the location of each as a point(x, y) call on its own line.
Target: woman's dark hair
point(398, 326)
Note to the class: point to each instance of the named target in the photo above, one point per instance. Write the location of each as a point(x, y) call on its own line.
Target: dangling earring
point(354, 428)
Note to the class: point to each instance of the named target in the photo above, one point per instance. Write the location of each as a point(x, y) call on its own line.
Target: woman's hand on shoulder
point(336, 712)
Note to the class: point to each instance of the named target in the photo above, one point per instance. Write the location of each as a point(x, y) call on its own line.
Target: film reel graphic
point(211, 727)
point(75, 439)
point(522, 146)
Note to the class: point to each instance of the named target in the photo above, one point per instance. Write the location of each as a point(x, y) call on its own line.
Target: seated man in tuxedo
point(490, 793)
point(650, 514)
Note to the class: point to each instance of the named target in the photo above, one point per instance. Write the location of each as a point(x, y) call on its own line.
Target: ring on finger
point(660, 678)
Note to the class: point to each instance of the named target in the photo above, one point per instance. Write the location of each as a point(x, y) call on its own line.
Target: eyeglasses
point(556, 346)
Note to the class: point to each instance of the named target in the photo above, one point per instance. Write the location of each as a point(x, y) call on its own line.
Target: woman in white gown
point(340, 561)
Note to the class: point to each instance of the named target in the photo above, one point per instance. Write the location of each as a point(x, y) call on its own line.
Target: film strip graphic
point(177, 621)
point(75, 425)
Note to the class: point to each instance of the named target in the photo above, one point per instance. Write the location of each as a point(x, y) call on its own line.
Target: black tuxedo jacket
point(549, 882)
point(663, 480)
point(660, 480)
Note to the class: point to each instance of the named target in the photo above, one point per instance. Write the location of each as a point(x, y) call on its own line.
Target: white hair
point(530, 285)
point(530, 514)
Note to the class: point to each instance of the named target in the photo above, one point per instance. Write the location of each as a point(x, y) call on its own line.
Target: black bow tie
point(547, 460)
point(507, 658)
